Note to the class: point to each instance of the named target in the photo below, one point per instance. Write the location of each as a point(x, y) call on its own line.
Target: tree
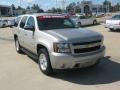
point(28, 7)
point(20, 8)
point(71, 7)
point(35, 7)
point(107, 6)
point(117, 7)
point(59, 10)
point(55, 10)
point(13, 7)
point(106, 2)
point(40, 11)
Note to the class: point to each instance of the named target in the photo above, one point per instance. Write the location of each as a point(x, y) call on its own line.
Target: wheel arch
point(40, 46)
point(15, 36)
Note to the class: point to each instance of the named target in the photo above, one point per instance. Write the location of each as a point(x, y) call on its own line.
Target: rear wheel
point(79, 24)
point(17, 46)
point(94, 22)
point(44, 62)
point(111, 29)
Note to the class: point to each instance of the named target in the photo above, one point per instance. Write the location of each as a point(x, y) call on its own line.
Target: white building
point(5, 10)
point(86, 6)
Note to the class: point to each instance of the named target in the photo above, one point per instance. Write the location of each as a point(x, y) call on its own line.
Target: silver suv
point(56, 42)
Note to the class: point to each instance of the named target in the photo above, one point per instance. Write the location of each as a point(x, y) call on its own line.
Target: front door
point(83, 20)
point(21, 31)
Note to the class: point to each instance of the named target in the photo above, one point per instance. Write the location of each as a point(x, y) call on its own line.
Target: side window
point(23, 21)
point(31, 21)
point(16, 22)
point(67, 23)
point(115, 17)
point(82, 17)
point(119, 17)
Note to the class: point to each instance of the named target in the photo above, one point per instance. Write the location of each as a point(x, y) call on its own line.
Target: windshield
point(116, 17)
point(55, 23)
point(74, 17)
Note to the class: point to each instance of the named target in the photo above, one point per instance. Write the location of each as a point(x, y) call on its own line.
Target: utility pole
point(63, 5)
point(56, 5)
point(20, 3)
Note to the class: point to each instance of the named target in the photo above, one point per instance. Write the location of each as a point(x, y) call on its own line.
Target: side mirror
point(29, 27)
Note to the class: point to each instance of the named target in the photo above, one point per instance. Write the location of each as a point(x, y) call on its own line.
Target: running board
point(30, 54)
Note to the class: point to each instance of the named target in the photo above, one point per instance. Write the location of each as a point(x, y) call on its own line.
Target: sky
point(47, 4)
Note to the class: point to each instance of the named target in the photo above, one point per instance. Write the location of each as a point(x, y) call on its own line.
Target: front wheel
point(44, 62)
point(111, 29)
point(79, 24)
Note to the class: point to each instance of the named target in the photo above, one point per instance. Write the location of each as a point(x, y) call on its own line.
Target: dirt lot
point(19, 72)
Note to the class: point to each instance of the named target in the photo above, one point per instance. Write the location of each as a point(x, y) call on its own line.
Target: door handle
point(25, 34)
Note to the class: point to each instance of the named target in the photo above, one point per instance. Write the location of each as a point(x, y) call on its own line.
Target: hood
point(75, 35)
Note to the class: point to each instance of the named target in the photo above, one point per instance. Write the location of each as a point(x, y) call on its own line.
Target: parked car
point(5, 22)
point(113, 23)
point(99, 14)
point(82, 20)
point(11, 22)
point(56, 42)
point(2, 23)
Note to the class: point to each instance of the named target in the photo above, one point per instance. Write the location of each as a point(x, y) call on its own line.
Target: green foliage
point(55, 10)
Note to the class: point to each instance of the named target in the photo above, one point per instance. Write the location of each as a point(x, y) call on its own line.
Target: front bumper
point(115, 27)
point(65, 61)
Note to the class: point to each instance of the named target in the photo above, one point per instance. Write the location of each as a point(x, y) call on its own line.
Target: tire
point(17, 46)
point(111, 29)
point(79, 24)
point(3, 25)
point(94, 22)
point(44, 62)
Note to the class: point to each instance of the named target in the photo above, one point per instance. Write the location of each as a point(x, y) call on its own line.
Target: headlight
point(61, 48)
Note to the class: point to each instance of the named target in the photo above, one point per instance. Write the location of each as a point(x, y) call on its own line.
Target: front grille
point(84, 50)
point(84, 43)
point(79, 48)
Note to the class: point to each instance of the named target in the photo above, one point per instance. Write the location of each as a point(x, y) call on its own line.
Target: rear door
point(29, 38)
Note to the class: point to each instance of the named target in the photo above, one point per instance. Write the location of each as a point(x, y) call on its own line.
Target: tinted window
point(23, 21)
point(31, 21)
point(116, 17)
point(55, 23)
point(74, 17)
point(82, 17)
